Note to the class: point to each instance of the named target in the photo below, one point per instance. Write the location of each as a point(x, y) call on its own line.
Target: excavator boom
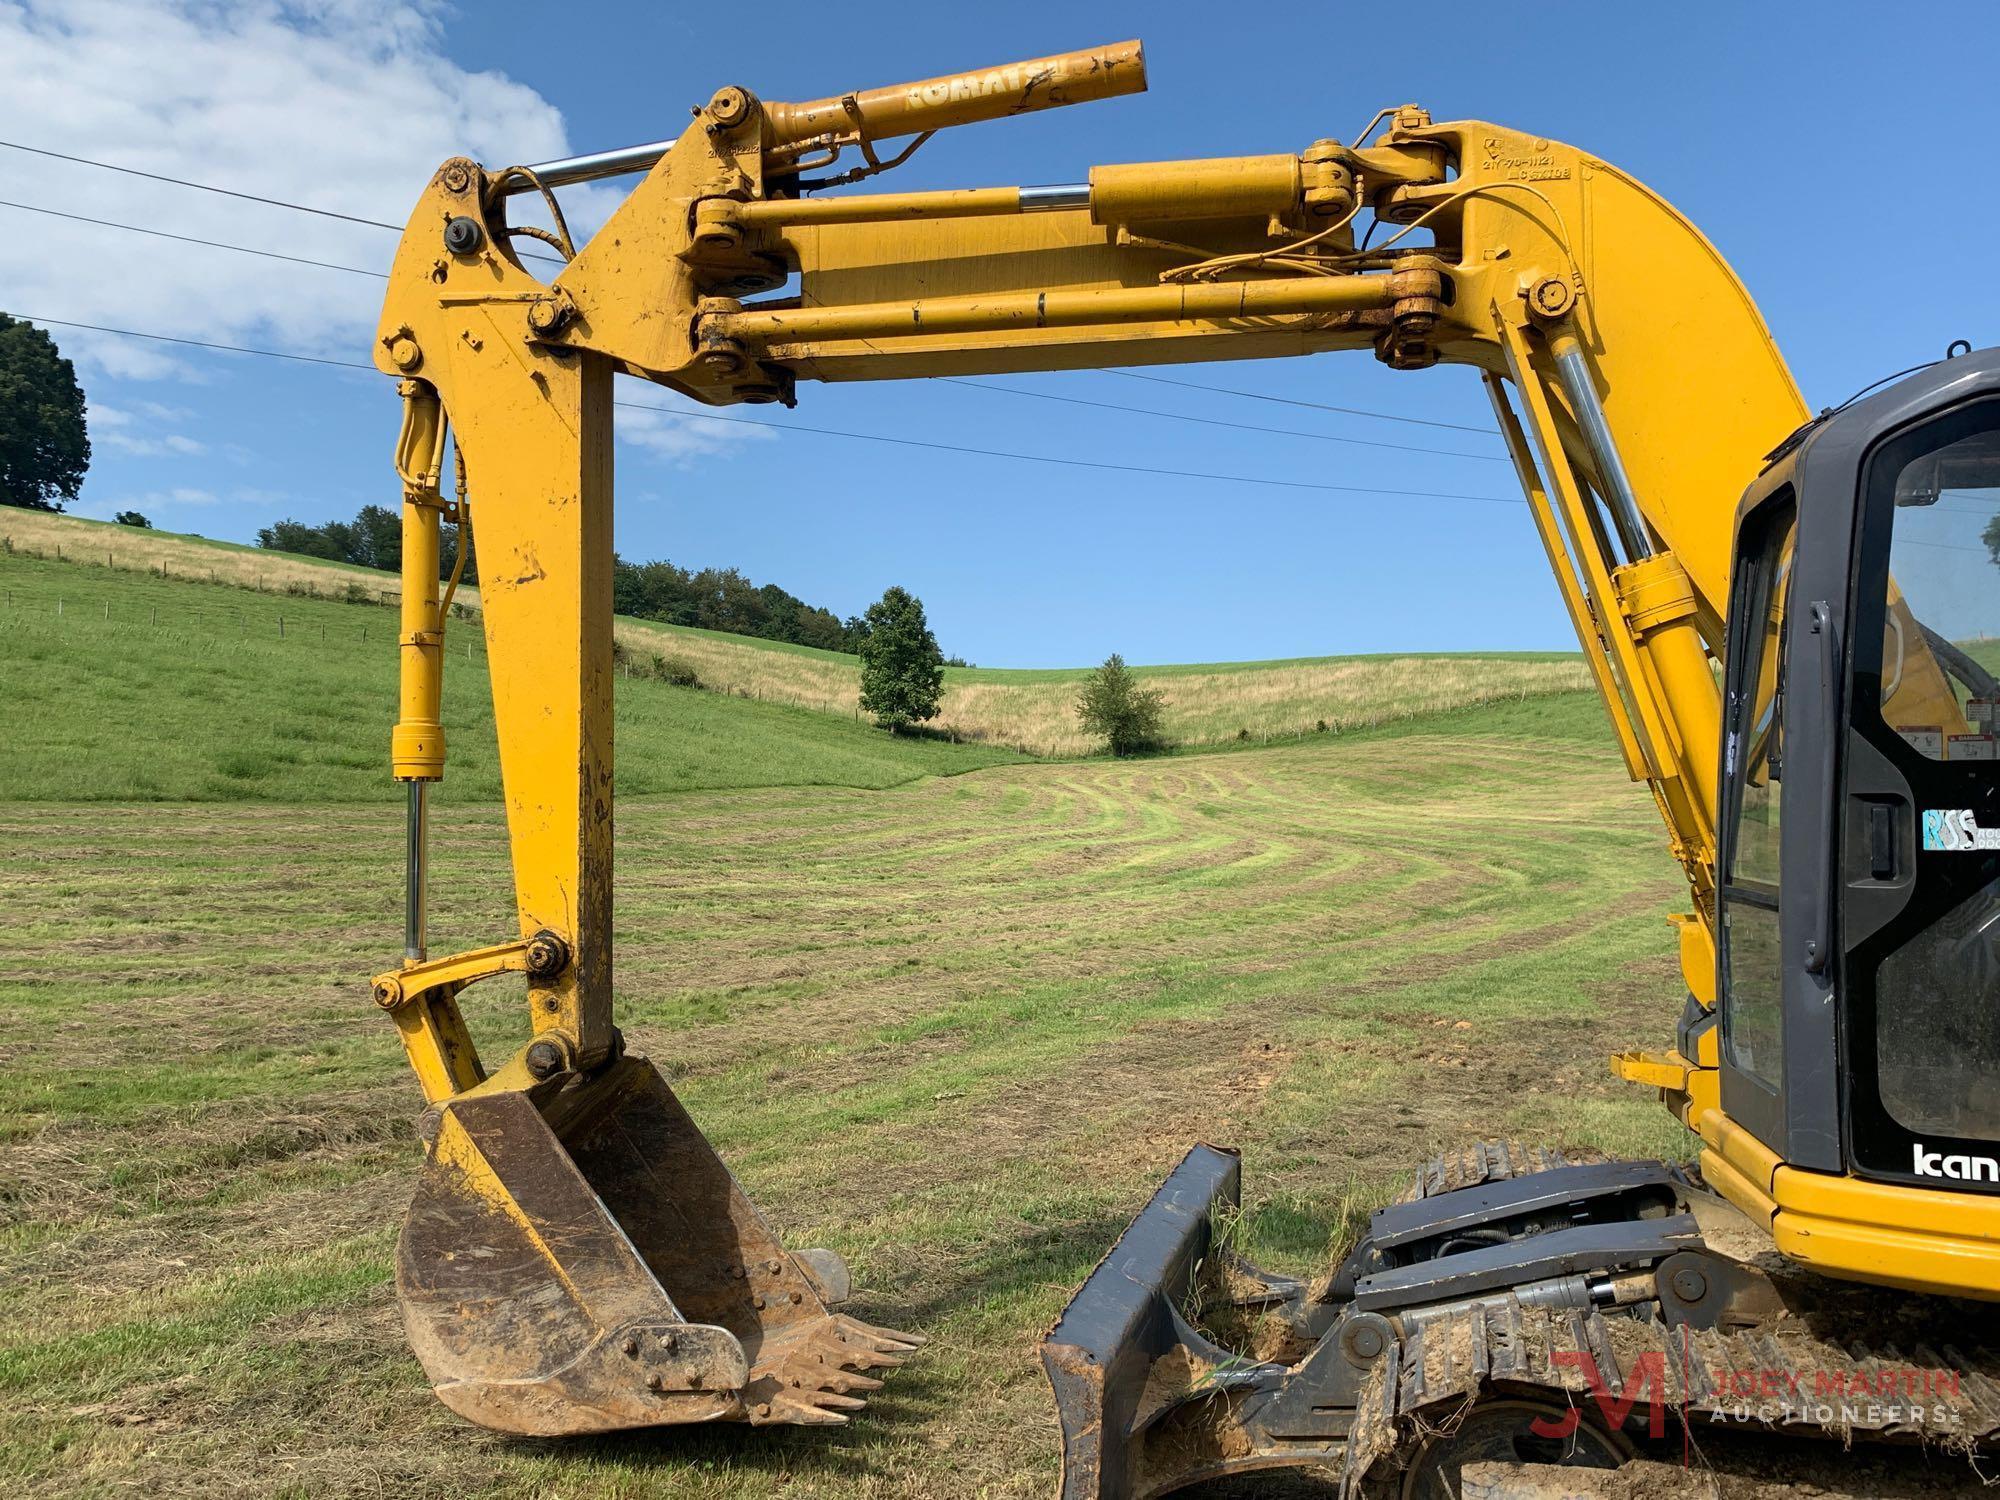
point(571, 1214)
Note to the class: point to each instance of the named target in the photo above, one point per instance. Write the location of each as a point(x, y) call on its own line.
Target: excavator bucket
point(586, 1262)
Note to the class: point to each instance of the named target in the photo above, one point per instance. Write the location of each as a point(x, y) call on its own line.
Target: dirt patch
point(1171, 1084)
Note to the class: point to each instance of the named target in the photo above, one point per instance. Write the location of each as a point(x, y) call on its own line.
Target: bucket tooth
point(844, 1382)
point(822, 1363)
point(586, 1263)
point(797, 1412)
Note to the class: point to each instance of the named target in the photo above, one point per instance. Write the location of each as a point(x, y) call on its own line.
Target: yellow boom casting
point(577, 1258)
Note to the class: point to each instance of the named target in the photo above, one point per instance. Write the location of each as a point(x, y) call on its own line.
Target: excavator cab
point(1860, 838)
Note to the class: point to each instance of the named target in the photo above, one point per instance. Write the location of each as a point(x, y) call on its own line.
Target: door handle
point(1881, 841)
point(1819, 947)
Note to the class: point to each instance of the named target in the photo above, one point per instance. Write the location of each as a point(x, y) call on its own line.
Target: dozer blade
point(1123, 1330)
point(590, 1264)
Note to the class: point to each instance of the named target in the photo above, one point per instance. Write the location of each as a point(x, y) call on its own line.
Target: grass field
point(164, 689)
point(956, 1028)
point(946, 1010)
point(1032, 711)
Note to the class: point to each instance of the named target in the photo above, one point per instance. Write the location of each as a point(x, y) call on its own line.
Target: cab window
point(1752, 957)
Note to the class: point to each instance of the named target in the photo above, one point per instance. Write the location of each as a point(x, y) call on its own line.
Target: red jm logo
point(1648, 1378)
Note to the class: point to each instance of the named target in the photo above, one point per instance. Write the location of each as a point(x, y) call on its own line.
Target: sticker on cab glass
point(1957, 829)
point(1926, 739)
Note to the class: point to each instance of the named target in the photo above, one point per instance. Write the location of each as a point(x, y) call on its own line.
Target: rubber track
point(1785, 1380)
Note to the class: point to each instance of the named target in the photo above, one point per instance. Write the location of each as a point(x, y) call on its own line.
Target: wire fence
point(377, 621)
point(1269, 704)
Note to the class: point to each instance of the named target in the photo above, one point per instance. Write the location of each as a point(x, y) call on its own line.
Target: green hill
point(126, 686)
point(1211, 703)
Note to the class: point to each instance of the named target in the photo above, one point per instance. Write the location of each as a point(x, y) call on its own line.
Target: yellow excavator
point(1785, 665)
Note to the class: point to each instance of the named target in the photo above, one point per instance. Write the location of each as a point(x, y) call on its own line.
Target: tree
point(373, 539)
point(1114, 705)
point(44, 440)
point(721, 599)
point(1991, 536)
point(328, 541)
point(902, 670)
point(377, 535)
point(133, 518)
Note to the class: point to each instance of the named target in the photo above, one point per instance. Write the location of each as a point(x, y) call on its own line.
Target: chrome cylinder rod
point(1573, 369)
point(598, 164)
point(1054, 196)
point(416, 871)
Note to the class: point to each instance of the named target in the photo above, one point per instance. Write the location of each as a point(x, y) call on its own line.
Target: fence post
point(58, 606)
point(281, 627)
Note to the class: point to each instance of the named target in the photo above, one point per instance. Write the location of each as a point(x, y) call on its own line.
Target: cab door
point(1756, 882)
point(1919, 812)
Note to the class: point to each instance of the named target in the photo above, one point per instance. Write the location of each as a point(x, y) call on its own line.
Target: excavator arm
point(1633, 380)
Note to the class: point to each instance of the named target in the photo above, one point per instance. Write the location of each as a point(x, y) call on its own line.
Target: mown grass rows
point(955, 1030)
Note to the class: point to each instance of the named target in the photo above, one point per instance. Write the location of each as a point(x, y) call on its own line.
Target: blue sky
point(1838, 159)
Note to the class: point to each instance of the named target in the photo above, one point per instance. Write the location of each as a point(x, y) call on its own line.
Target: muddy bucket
point(585, 1262)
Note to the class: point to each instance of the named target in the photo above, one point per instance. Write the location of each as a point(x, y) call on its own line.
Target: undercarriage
point(1517, 1317)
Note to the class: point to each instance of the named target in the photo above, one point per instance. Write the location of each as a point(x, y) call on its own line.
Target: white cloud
point(144, 447)
point(678, 435)
point(346, 105)
point(117, 427)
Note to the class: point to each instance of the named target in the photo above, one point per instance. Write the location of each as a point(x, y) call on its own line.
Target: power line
point(188, 239)
point(168, 338)
point(1176, 416)
point(206, 187)
point(1910, 541)
point(203, 187)
point(1346, 411)
point(1078, 463)
point(866, 437)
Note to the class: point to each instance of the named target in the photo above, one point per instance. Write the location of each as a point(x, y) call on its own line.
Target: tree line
point(373, 539)
point(706, 598)
point(724, 599)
